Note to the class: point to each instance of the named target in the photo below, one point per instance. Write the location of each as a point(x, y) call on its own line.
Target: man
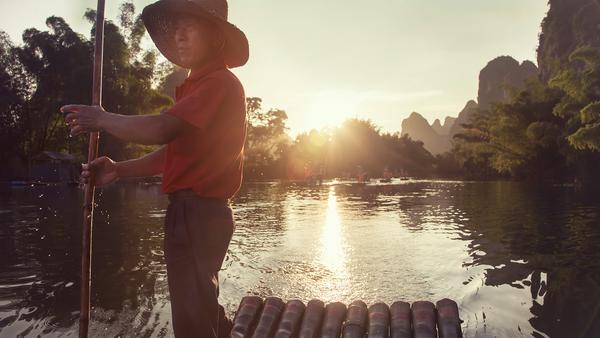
point(201, 158)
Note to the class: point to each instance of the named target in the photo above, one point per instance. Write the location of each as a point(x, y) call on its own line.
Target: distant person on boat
point(201, 159)
point(387, 175)
point(320, 174)
point(361, 174)
point(308, 174)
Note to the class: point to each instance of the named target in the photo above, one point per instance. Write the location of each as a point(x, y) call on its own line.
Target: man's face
point(193, 39)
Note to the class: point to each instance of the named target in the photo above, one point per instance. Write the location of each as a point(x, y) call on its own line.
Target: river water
point(519, 260)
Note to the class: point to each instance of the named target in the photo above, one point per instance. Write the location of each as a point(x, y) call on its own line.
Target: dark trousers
point(197, 234)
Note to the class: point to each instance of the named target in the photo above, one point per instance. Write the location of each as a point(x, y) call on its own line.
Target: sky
point(326, 61)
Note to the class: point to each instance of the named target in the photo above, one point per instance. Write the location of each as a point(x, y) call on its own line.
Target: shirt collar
point(205, 69)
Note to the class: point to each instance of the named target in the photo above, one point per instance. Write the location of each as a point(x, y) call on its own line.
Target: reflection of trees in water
point(41, 255)
point(544, 238)
point(526, 232)
point(368, 200)
point(40, 258)
point(416, 203)
point(128, 260)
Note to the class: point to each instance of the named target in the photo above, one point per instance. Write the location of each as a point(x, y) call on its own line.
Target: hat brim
point(158, 19)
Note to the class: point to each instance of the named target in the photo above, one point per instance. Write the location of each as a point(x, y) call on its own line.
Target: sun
point(331, 108)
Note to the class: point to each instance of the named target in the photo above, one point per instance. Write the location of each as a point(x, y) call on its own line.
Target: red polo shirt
point(208, 158)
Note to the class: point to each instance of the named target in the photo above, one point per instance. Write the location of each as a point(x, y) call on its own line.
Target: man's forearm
point(141, 129)
point(148, 165)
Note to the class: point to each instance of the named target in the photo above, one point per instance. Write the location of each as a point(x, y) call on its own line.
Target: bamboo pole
point(89, 192)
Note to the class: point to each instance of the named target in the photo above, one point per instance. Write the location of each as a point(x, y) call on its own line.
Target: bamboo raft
point(272, 318)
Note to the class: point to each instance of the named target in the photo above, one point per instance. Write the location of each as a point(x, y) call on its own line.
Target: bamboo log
point(313, 317)
point(334, 317)
point(400, 320)
point(289, 326)
point(267, 324)
point(448, 319)
point(356, 320)
point(423, 318)
point(379, 320)
point(246, 316)
point(89, 192)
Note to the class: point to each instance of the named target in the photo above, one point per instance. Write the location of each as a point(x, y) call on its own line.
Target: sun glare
point(332, 246)
point(331, 109)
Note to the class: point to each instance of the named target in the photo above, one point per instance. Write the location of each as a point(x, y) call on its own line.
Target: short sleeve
point(204, 102)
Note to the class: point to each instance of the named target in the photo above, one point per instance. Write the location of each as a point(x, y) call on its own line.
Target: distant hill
point(417, 128)
point(464, 117)
point(496, 80)
point(446, 127)
point(568, 24)
point(499, 76)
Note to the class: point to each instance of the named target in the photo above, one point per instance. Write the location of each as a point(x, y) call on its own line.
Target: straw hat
point(158, 19)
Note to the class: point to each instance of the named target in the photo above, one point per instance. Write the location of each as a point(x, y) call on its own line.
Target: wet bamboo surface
point(274, 318)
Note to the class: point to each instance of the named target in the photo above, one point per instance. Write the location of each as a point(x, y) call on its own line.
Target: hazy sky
point(326, 60)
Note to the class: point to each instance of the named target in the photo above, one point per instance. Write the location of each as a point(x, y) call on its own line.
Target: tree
point(129, 84)
point(521, 138)
point(358, 144)
point(54, 67)
point(16, 86)
point(58, 61)
point(581, 104)
point(266, 141)
point(569, 25)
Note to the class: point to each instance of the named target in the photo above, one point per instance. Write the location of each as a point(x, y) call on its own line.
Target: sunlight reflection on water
point(332, 251)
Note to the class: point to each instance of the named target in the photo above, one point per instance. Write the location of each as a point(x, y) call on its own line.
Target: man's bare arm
point(147, 165)
point(141, 129)
point(107, 171)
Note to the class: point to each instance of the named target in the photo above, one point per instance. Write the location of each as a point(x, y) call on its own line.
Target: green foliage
point(569, 24)
point(266, 140)
point(129, 77)
point(580, 105)
point(57, 62)
point(16, 86)
point(588, 135)
point(54, 67)
point(519, 138)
